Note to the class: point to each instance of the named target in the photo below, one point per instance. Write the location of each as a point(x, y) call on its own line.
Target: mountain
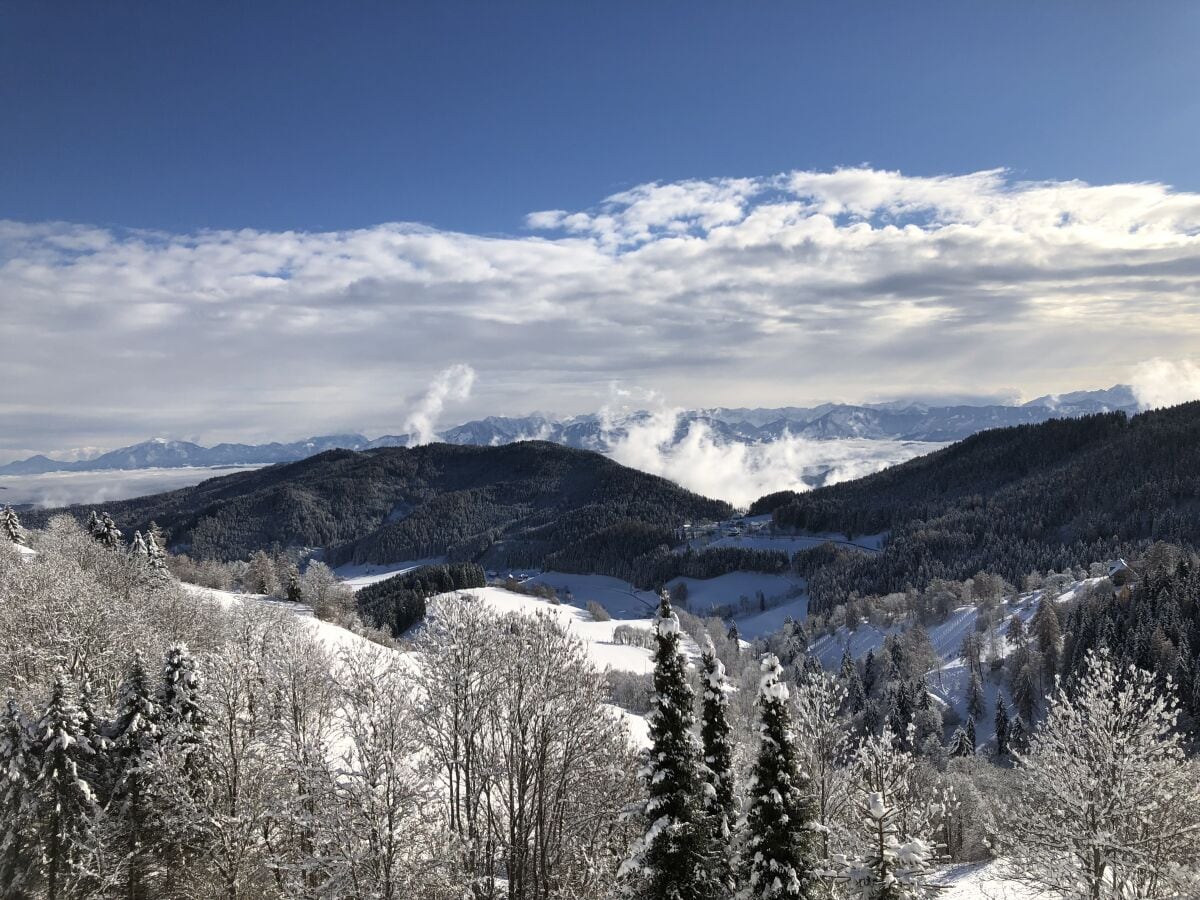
point(1061, 493)
point(516, 505)
point(829, 421)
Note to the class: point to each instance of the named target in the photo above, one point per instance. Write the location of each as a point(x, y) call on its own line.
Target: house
point(1122, 577)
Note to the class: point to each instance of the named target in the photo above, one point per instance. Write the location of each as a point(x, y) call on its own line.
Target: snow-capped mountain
point(829, 421)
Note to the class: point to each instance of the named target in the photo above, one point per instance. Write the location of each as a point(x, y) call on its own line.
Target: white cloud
point(1161, 382)
point(741, 473)
point(452, 385)
point(738, 291)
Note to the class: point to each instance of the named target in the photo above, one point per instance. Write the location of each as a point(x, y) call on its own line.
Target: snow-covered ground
point(983, 881)
point(948, 682)
point(358, 576)
point(596, 636)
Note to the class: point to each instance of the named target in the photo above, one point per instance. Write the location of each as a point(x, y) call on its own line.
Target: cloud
point(1161, 382)
point(741, 473)
point(452, 385)
point(776, 290)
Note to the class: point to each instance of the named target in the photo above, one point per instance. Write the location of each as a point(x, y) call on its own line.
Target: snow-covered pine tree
point(781, 848)
point(109, 535)
point(720, 801)
point(17, 775)
point(823, 734)
point(1108, 805)
point(10, 526)
point(138, 547)
point(1025, 692)
point(94, 526)
point(1002, 727)
point(901, 717)
point(852, 681)
point(132, 809)
point(670, 861)
point(975, 698)
point(156, 556)
point(93, 728)
point(63, 806)
point(972, 737)
point(960, 743)
point(896, 826)
point(186, 774)
point(1018, 734)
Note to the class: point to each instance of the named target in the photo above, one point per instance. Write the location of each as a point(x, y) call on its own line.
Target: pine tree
point(1018, 735)
point(155, 554)
point(94, 526)
point(138, 547)
point(135, 735)
point(901, 717)
point(64, 804)
point(975, 698)
point(855, 695)
point(733, 633)
point(972, 740)
point(107, 532)
point(960, 743)
point(781, 848)
point(1025, 692)
point(17, 775)
point(720, 802)
point(1015, 632)
point(671, 862)
point(895, 825)
point(10, 525)
point(186, 759)
point(1002, 727)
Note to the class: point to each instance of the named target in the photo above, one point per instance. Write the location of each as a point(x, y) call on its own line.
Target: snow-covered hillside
point(597, 637)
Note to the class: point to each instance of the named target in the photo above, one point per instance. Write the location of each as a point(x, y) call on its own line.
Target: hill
point(1009, 501)
point(509, 506)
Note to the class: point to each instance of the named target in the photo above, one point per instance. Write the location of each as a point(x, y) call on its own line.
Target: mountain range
point(898, 420)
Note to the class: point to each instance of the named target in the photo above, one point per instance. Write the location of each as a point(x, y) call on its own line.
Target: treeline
point(509, 506)
point(1011, 501)
point(398, 603)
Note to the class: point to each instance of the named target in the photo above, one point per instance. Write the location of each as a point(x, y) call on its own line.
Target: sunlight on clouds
point(829, 277)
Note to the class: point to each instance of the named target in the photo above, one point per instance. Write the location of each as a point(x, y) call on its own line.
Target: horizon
point(230, 223)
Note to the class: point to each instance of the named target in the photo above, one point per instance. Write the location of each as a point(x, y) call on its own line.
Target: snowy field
point(359, 576)
point(66, 488)
point(597, 637)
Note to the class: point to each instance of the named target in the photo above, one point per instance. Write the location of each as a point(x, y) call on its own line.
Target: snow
point(983, 881)
point(597, 636)
point(359, 576)
point(728, 589)
point(619, 598)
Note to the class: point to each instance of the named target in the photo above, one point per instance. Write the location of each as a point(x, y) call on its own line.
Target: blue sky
point(469, 115)
point(268, 220)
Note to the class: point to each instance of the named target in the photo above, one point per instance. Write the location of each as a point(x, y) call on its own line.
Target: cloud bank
point(1162, 382)
point(741, 473)
point(852, 284)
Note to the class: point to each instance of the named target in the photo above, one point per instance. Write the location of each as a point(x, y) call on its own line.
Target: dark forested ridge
point(512, 505)
point(1012, 500)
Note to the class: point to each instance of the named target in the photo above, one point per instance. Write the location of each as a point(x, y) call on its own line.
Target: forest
point(1062, 493)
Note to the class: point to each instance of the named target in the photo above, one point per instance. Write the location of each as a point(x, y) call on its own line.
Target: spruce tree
point(960, 743)
point(135, 735)
point(901, 718)
point(156, 555)
point(975, 697)
point(138, 547)
point(972, 741)
point(720, 801)
point(64, 804)
point(1002, 726)
point(782, 850)
point(94, 526)
point(10, 526)
point(109, 534)
point(671, 860)
point(18, 772)
point(855, 696)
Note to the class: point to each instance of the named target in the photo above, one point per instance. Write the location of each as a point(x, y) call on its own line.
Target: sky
point(226, 221)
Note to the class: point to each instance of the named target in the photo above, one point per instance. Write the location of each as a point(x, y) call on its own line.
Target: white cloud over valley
point(853, 284)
